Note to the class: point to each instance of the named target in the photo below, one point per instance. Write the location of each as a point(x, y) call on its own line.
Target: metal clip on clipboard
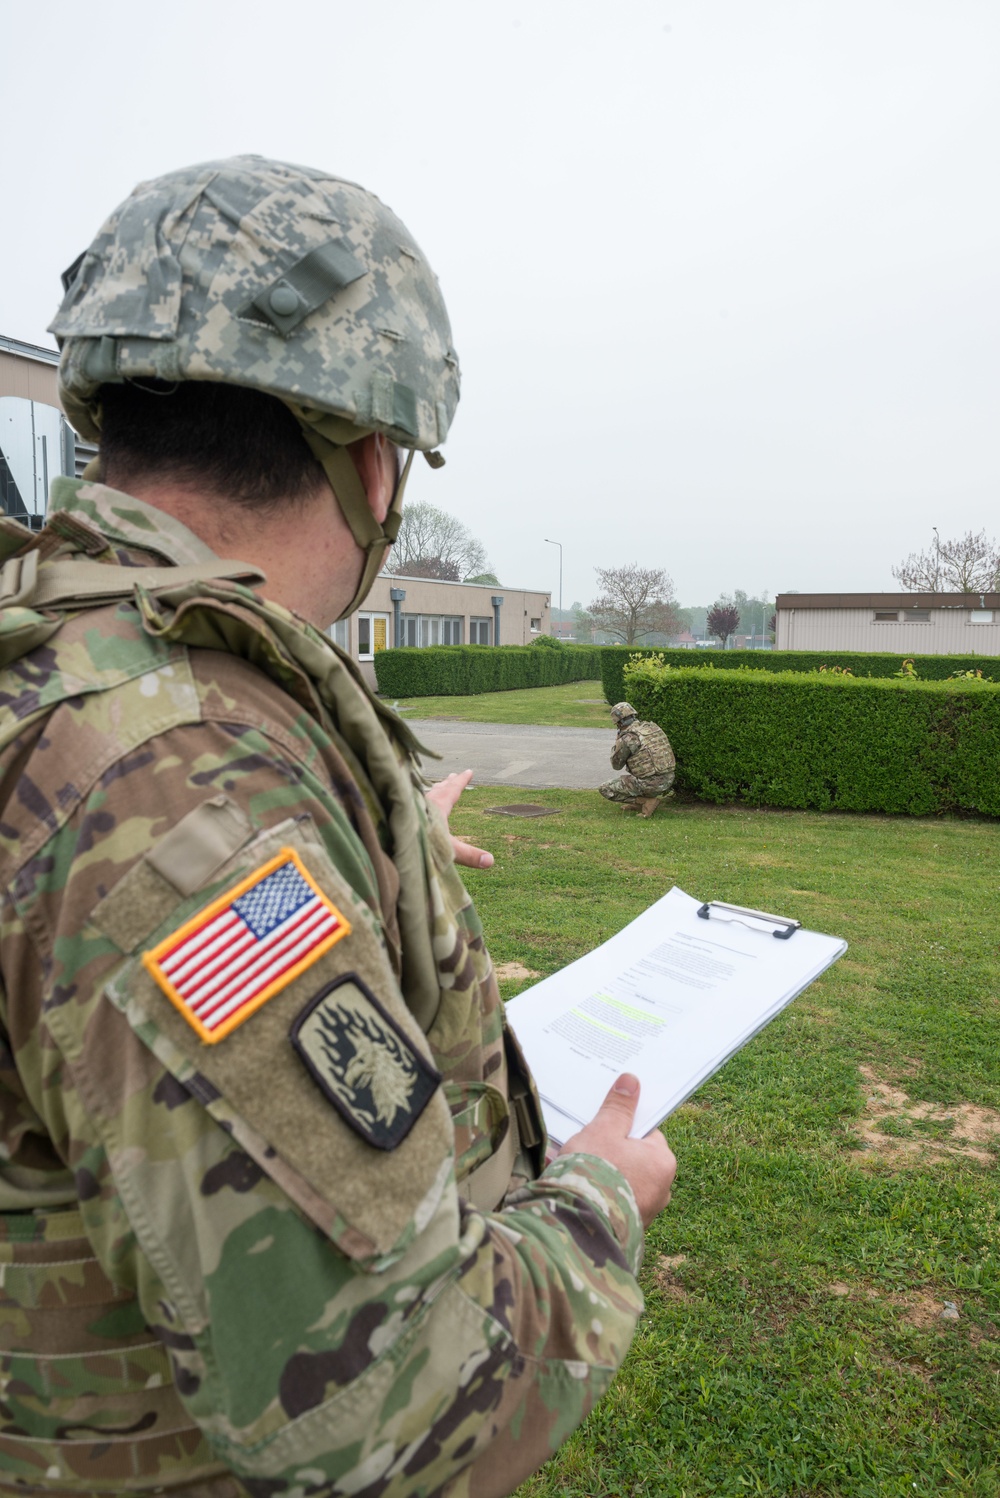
point(725, 912)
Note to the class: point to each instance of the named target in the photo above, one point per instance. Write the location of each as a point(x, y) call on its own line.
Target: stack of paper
point(670, 998)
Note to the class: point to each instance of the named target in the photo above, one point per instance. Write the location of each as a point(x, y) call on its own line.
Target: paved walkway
point(517, 753)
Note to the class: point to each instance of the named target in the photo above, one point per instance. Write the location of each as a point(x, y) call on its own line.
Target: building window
point(885, 616)
point(432, 629)
point(981, 616)
point(536, 625)
point(340, 634)
point(917, 616)
point(373, 635)
point(480, 631)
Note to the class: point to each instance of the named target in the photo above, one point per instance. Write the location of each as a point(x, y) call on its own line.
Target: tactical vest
point(654, 757)
point(87, 1401)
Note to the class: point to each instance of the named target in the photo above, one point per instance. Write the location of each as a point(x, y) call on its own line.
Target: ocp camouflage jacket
point(644, 750)
point(267, 1255)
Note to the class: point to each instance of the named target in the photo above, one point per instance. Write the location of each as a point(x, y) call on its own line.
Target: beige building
point(420, 611)
point(37, 443)
point(898, 623)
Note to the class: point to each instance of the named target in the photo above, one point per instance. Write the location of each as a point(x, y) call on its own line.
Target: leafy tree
point(694, 618)
point(429, 536)
point(583, 624)
point(635, 601)
point(754, 611)
point(723, 621)
point(967, 564)
point(484, 577)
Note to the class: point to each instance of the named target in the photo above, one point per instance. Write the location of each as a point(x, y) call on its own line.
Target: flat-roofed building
point(897, 623)
point(416, 612)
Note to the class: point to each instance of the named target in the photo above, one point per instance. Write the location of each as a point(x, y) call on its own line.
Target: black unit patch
point(363, 1062)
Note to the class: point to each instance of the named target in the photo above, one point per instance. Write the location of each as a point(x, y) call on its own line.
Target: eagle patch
point(363, 1062)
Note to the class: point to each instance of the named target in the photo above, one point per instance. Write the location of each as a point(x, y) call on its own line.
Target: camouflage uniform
point(258, 1266)
point(273, 1212)
point(644, 751)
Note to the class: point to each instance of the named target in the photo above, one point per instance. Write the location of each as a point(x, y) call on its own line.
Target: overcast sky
point(722, 275)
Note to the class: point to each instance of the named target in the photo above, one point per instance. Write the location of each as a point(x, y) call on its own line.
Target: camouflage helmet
point(275, 277)
point(622, 712)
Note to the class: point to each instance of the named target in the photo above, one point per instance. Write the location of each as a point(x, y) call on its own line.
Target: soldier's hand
point(647, 1164)
point(444, 795)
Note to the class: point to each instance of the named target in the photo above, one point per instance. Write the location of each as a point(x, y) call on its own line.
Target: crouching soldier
point(643, 751)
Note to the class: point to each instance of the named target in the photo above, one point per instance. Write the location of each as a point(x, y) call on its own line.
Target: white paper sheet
point(670, 998)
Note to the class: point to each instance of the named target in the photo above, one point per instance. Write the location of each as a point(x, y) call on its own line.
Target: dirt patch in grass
point(666, 1279)
point(515, 972)
point(920, 1310)
point(890, 1119)
point(919, 1307)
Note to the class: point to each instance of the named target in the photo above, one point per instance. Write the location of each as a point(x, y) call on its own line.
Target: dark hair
point(237, 443)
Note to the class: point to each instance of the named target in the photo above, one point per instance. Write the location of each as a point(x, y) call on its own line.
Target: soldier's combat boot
point(633, 805)
point(649, 805)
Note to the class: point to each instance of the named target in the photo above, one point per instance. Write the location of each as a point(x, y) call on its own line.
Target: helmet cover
point(276, 277)
point(281, 279)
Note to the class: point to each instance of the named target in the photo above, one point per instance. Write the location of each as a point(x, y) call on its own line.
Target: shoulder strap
point(23, 582)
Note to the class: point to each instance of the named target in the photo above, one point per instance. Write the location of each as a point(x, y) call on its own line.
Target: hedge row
point(827, 742)
point(614, 659)
point(460, 670)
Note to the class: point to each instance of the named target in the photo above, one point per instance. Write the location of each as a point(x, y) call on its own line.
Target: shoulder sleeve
point(280, 1190)
point(625, 746)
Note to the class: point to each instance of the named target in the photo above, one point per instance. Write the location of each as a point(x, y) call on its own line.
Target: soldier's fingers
point(470, 856)
point(445, 793)
point(620, 1104)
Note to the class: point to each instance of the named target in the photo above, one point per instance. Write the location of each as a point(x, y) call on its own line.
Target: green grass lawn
point(838, 1181)
point(580, 704)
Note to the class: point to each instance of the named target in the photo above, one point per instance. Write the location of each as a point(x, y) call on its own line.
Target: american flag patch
point(246, 946)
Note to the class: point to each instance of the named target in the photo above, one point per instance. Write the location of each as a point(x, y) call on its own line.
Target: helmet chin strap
point(328, 437)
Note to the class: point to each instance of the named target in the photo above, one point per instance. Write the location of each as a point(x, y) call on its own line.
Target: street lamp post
point(937, 559)
point(559, 544)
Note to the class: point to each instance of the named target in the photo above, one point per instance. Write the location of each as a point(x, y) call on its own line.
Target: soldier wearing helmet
point(643, 751)
point(275, 1212)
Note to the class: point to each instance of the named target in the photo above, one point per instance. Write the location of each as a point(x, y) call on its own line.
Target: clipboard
point(783, 926)
point(670, 998)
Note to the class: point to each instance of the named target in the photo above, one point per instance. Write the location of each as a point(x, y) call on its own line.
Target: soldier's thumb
point(621, 1103)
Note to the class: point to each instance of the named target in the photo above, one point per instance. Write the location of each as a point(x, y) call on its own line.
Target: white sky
point(722, 275)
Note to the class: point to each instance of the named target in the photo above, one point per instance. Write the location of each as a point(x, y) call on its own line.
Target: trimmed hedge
point(614, 659)
point(461, 670)
point(827, 742)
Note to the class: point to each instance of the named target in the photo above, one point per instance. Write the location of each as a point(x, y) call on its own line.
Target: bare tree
point(967, 564)
point(723, 620)
point(635, 601)
point(436, 567)
point(428, 535)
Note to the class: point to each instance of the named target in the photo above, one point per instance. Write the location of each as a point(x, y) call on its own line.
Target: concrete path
point(517, 753)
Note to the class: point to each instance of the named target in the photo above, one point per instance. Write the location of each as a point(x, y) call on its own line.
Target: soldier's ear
point(377, 463)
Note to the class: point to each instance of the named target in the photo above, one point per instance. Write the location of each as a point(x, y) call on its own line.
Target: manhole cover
point(527, 810)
